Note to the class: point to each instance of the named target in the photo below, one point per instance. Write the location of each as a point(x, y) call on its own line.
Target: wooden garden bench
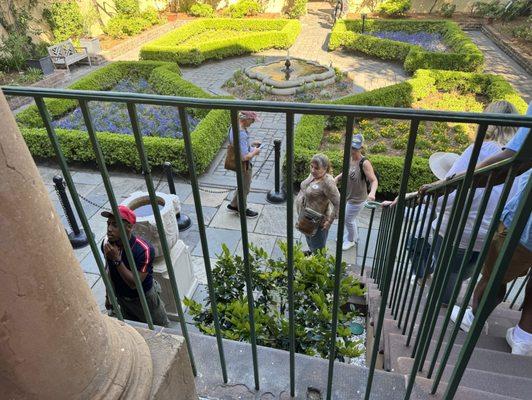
point(64, 54)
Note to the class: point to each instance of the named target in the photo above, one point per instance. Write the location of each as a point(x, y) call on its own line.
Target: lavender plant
point(429, 41)
point(154, 120)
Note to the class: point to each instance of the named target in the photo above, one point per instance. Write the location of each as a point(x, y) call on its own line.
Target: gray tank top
point(357, 191)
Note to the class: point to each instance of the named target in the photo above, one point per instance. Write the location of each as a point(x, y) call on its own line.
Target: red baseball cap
point(126, 213)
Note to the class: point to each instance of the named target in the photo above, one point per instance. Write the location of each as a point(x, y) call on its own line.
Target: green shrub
point(313, 302)
point(120, 149)
point(15, 49)
point(447, 10)
point(309, 130)
point(464, 54)
point(378, 148)
point(121, 26)
point(243, 8)
point(201, 10)
point(65, 19)
point(394, 8)
point(523, 31)
point(127, 7)
point(151, 15)
point(296, 8)
point(254, 35)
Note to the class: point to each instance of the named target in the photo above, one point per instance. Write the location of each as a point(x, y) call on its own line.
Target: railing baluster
point(338, 261)
point(290, 244)
point(511, 242)
point(483, 254)
point(45, 115)
point(368, 237)
point(399, 267)
point(424, 281)
point(523, 284)
point(458, 284)
point(396, 228)
point(405, 258)
point(245, 244)
point(377, 253)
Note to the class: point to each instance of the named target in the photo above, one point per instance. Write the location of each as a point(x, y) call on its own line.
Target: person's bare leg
point(479, 291)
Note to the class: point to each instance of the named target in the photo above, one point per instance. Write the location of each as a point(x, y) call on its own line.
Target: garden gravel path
point(499, 63)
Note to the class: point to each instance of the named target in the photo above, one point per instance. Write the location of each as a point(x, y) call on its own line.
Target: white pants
point(351, 227)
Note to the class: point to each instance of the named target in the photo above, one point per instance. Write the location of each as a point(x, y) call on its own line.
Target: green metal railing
point(392, 266)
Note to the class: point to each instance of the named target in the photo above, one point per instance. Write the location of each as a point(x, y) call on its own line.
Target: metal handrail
point(391, 258)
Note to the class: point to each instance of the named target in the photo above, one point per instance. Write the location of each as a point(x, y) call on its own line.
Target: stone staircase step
point(514, 386)
point(422, 388)
point(481, 359)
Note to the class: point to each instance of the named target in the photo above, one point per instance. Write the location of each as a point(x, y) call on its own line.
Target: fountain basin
point(304, 73)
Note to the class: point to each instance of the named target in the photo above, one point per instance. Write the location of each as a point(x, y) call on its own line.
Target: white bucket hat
point(440, 163)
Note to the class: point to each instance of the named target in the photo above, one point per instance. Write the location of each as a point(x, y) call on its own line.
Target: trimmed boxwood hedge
point(256, 35)
point(120, 149)
point(464, 55)
point(309, 131)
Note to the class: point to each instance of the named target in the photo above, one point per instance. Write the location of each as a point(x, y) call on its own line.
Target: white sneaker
point(347, 245)
point(467, 321)
point(518, 347)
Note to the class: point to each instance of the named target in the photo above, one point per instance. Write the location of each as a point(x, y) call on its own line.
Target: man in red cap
point(247, 152)
point(121, 274)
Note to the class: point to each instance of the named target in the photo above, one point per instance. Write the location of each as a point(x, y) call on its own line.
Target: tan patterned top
point(320, 195)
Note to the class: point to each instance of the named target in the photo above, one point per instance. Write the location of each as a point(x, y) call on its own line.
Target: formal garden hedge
point(120, 149)
point(192, 44)
point(309, 132)
point(464, 55)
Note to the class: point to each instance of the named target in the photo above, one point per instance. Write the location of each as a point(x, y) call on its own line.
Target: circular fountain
point(289, 76)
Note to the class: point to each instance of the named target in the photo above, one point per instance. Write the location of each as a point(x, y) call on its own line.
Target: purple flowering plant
point(161, 121)
point(429, 41)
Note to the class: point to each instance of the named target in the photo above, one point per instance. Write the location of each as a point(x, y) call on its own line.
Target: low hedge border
point(120, 149)
point(465, 55)
point(309, 131)
point(257, 35)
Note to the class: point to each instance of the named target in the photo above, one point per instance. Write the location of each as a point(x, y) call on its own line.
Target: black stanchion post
point(77, 237)
point(183, 220)
point(277, 195)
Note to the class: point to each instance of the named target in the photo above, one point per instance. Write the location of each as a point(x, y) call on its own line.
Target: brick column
point(54, 342)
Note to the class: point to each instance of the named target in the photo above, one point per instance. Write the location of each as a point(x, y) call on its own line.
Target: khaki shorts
point(519, 264)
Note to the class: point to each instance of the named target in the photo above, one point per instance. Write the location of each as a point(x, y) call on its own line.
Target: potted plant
point(40, 59)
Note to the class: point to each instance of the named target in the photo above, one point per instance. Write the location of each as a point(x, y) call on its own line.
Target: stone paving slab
point(215, 238)
point(231, 220)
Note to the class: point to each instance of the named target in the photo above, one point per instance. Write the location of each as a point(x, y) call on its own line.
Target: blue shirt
point(510, 208)
point(244, 141)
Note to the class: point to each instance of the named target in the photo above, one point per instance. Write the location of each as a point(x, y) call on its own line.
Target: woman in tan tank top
point(360, 170)
point(319, 193)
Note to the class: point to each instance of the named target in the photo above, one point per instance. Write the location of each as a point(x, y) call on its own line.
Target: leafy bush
point(464, 54)
point(524, 31)
point(394, 8)
point(15, 49)
point(151, 15)
point(309, 131)
point(296, 8)
point(447, 9)
point(121, 26)
point(243, 8)
point(65, 19)
point(201, 10)
point(127, 7)
point(120, 149)
point(313, 302)
point(251, 35)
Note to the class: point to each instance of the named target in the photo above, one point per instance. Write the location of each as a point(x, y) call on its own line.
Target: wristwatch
point(114, 263)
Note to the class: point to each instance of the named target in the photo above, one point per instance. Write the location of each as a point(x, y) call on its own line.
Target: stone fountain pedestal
point(146, 227)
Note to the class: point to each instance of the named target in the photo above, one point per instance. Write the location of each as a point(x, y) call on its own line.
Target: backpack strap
point(361, 166)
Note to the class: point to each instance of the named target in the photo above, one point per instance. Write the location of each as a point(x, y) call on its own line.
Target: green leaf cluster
point(120, 149)
point(295, 8)
point(243, 8)
point(65, 19)
point(254, 35)
point(123, 25)
point(313, 301)
point(394, 8)
point(201, 10)
point(309, 131)
point(464, 54)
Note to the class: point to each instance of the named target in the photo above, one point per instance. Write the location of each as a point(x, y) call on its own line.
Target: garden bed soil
point(390, 136)
point(18, 78)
